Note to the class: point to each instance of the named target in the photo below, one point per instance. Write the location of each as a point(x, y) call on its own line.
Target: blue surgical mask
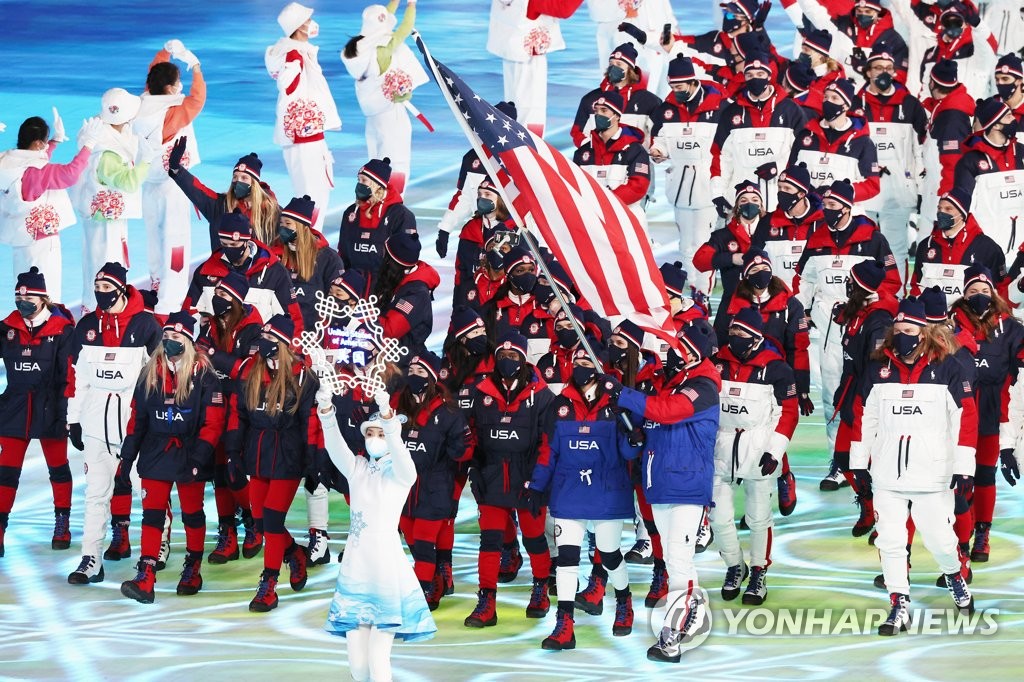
point(615, 74)
point(749, 211)
point(286, 234)
point(240, 189)
point(26, 308)
point(363, 191)
point(905, 344)
point(508, 367)
point(602, 123)
point(172, 348)
point(485, 206)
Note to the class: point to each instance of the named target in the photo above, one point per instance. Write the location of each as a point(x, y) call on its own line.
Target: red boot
point(120, 547)
point(540, 603)
point(591, 598)
point(563, 636)
point(486, 613)
point(623, 624)
point(141, 587)
point(227, 545)
point(191, 580)
point(266, 594)
point(295, 557)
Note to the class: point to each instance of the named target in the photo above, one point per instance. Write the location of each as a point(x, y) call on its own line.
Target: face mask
point(830, 111)
point(904, 344)
point(286, 234)
point(543, 293)
point(954, 32)
point(755, 87)
point(26, 308)
point(363, 191)
point(1010, 129)
point(979, 303)
point(240, 189)
point(804, 58)
point(749, 211)
point(476, 345)
point(944, 221)
point(681, 97)
point(602, 122)
point(673, 362)
point(508, 367)
point(730, 23)
point(221, 306)
point(485, 206)
point(615, 74)
point(376, 448)
point(313, 29)
point(740, 346)
point(616, 354)
point(105, 300)
point(266, 348)
point(787, 200)
point(235, 254)
point(943, 4)
point(865, 20)
point(883, 81)
point(760, 279)
point(495, 259)
point(172, 348)
point(176, 88)
point(566, 337)
point(524, 282)
point(416, 383)
point(581, 376)
point(833, 216)
point(1006, 90)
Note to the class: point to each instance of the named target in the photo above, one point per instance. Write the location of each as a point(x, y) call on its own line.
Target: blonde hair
point(937, 343)
point(190, 363)
point(302, 260)
point(282, 383)
point(263, 211)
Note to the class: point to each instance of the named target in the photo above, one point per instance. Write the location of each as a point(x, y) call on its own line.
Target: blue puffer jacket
point(681, 422)
point(585, 468)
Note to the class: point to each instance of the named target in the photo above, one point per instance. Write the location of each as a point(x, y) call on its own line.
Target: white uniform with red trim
point(650, 16)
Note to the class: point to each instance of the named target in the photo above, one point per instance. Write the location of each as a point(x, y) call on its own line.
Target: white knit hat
point(293, 16)
point(119, 106)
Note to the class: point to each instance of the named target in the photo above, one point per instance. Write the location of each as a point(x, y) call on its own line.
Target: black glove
point(201, 460)
point(761, 14)
point(806, 405)
point(611, 386)
point(862, 482)
point(442, 243)
point(767, 171)
point(1008, 465)
point(971, 15)
point(75, 436)
point(313, 473)
point(768, 464)
point(722, 206)
point(236, 470)
point(533, 500)
point(123, 477)
point(177, 151)
point(963, 492)
point(635, 32)
point(636, 437)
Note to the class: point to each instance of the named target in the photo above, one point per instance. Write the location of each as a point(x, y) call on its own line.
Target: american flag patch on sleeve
point(791, 391)
point(890, 260)
point(690, 393)
point(967, 387)
point(404, 306)
point(642, 168)
point(950, 145)
point(217, 398)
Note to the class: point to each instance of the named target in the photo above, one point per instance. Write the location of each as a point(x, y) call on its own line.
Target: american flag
point(404, 306)
point(601, 244)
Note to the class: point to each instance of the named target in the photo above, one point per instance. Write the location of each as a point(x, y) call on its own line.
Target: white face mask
point(177, 88)
point(376, 447)
point(313, 29)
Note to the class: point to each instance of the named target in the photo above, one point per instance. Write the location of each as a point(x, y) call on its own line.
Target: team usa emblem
point(10, 334)
point(732, 246)
point(932, 253)
point(737, 119)
point(563, 411)
point(488, 401)
point(885, 372)
point(90, 335)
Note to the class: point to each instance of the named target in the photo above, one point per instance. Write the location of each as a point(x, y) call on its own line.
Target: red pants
point(493, 522)
point(270, 499)
point(12, 459)
point(156, 496)
point(986, 459)
point(230, 489)
point(421, 535)
point(446, 538)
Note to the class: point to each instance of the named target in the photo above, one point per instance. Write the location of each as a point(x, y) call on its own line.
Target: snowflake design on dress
point(537, 41)
point(357, 527)
point(364, 313)
point(303, 118)
point(397, 83)
point(107, 204)
point(42, 221)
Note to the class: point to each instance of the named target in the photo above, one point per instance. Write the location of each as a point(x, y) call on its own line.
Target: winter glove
point(383, 401)
point(123, 477)
point(312, 481)
point(722, 206)
point(90, 132)
point(236, 470)
point(531, 499)
point(767, 171)
point(635, 32)
point(862, 482)
point(761, 14)
point(324, 397)
point(58, 128)
point(1008, 465)
point(768, 464)
point(177, 151)
point(806, 405)
point(971, 15)
point(963, 492)
point(611, 386)
point(174, 47)
point(442, 243)
point(75, 436)
point(189, 58)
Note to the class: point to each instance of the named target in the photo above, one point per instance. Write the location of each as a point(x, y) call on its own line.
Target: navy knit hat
point(697, 339)
point(281, 327)
point(841, 191)
point(748, 187)
point(868, 274)
point(818, 40)
point(428, 361)
point(625, 52)
point(559, 277)
point(378, 170)
point(845, 89)
point(675, 278)
point(507, 108)
point(959, 197)
point(234, 226)
point(934, 304)
point(31, 283)
point(631, 332)
point(573, 310)
point(881, 56)
point(351, 281)
point(944, 73)
point(300, 209)
point(465, 320)
point(149, 299)
point(989, 111)
point(800, 75)
point(977, 273)
point(611, 99)
point(115, 274)
point(517, 256)
point(755, 257)
point(404, 248)
point(757, 60)
point(752, 43)
point(681, 69)
point(182, 323)
point(798, 175)
point(251, 165)
point(236, 284)
point(1010, 64)
point(512, 340)
point(749, 320)
point(912, 310)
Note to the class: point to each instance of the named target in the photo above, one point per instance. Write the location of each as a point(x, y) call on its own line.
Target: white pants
point(526, 84)
point(830, 360)
point(390, 134)
point(106, 241)
point(758, 510)
point(166, 212)
point(45, 254)
point(654, 63)
point(933, 516)
point(695, 226)
point(569, 533)
point(638, 523)
point(607, 33)
point(100, 467)
point(317, 511)
point(678, 525)
point(369, 654)
point(311, 167)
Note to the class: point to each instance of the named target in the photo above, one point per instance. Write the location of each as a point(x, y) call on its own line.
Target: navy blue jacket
point(438, 439)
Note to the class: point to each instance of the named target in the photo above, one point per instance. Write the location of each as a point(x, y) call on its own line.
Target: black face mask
point(496, 259)
point(221, 306)
point(804, 58)
point(485, 206)
point(1010, 129)
point(363, 191)
point(476, 345)
point(1006, 90)
point(566, 337)
point(883, 81)
point(979, 303)
point(581, 376)
point(105, 300)
point(943, 4)
point(904, 344)
point(830, 111)
point(673, 362)
point(543, 293)
point(851, 288)
point(602, 123)
point(740, 346)
point(954, 32)
point(524, 281)
point(172, 348)
point(760, 279)
point(787, 200)
point(749, 211)
point(616, 354)
point(241, 189)
point(508, 367)
point(615, 74)
point(730, 25)
point(26, 308)
point(266, 348)
point(865, 20)
point(755, 87)
point(286, 234)
point(680, 97)
point(235, 254)
point(944, 221)
point(416, 383)
point(833, 216)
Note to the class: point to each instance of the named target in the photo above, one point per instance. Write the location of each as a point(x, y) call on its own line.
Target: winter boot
point(591, 598)
point(899, 616)
point(511, 562)
point(317, 551)
point(433, 591)
point(981, 549)
point(834, 480)
point(444, 569)
point(659, 585)
point(539, 604)
point(295, 557)
point(787, 493)
point(266, 594)
point(120, 547)
point(640, 553)
point(89, 570)
point(253, 542)
point(964, 552)
point(705, 535)
point(667, 649)
point(227, 545)
point(623, 624)
point(165, 544)
point(141, 587)
point(866, 520)
point(734, 577)
point(562, 637)
point(61, 530)
point(191, 580)
point(757, 588)
point(485, 614)
point(962, 596)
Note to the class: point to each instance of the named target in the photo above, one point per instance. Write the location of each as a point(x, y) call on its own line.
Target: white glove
point(89, 134)
point(58, 128)
point(189, 58)
point(383, 401)
point(175, 47)
point(324, 398)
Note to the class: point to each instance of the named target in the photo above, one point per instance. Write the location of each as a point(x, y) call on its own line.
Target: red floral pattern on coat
point(107, 204)
point(303, 118)
point(42, 221)
point(537, 41)
point(397, 83)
